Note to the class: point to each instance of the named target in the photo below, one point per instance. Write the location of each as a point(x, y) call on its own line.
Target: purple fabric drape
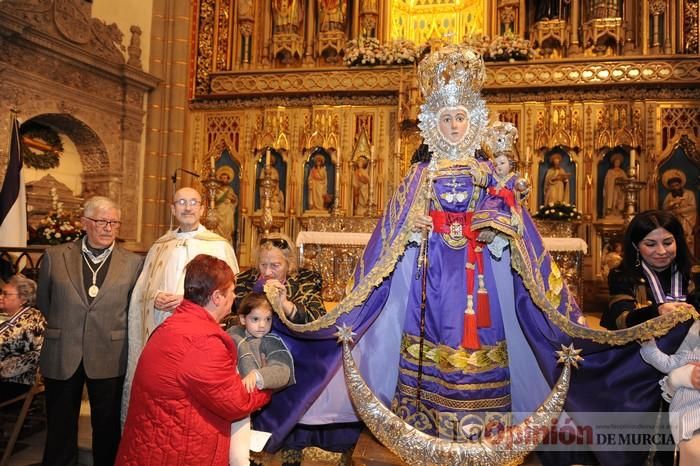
point(611, 379)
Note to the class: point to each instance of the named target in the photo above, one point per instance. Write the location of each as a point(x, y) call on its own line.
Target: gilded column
point(355, 21)
point(310, 36)
point(246, 22)
point(574, 20)
point(267, 33)
point(656, 8)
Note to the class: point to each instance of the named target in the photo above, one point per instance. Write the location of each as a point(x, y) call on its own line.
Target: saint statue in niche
point(681, 202)
point(317, 183)
point(556, 182)
point(360, 186)
point(287, 16)
point(276, 193)
point(613, 194)
point(226, 202)
point(332, 14)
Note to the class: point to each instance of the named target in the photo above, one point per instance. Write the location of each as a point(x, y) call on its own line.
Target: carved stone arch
point(624, 137)
point(604, 139)
point(686, 141)
point(560, 138)
point(92, 150)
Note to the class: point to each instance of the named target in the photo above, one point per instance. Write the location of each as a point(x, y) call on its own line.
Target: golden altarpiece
point(281, 84)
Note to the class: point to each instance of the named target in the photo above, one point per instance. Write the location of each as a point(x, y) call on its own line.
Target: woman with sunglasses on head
point(298, 290)
point(21, 336)
point(654, 277)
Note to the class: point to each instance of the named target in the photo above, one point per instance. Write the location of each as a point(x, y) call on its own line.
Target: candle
point(212, 161)
point(527, 156)
point(633, 158)
point(267, 157)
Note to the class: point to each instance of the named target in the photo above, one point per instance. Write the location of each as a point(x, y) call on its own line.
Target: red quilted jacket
point(186, 393)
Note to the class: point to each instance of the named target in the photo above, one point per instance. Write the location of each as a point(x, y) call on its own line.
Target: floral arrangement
point(507, 47)
point(364, 51)
point(400, 52)
point(558, 211)
point(57, 227)
point(367, 51)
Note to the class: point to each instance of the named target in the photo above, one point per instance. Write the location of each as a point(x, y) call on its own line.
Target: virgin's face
point(658, 249)
point(453, 124)
point(616, 162)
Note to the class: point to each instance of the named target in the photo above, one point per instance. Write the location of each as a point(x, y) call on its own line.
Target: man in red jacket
point(186, 390)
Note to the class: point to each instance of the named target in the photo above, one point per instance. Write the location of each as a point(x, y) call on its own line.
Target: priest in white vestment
point(160, 287)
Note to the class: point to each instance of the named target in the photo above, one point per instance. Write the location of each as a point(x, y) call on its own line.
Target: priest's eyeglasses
point(279, 243)
point(103, 223)
point(189, 202)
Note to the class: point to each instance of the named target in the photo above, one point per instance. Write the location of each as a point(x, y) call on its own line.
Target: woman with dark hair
point(186, 389)
point(654, 277)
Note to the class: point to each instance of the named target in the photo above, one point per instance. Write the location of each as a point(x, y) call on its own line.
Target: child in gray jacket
point(264, 361)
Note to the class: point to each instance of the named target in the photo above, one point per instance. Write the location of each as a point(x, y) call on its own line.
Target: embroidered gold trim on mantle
point(455, 386)
point(461, 405)
point(450, 359)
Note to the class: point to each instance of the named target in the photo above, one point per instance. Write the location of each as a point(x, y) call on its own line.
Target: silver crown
point(452, 77)
point(461, 66)
point(501, 139)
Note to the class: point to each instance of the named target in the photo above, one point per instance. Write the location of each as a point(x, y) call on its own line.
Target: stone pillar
point(166, 119)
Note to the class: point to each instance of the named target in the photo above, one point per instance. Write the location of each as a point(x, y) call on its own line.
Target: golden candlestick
point(212, 185)
point(631, 186)
point(266, 183)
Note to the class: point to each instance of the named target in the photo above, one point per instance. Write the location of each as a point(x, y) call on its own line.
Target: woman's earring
point(638, 263)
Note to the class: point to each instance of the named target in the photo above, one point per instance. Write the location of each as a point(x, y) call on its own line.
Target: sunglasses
point(279, 243)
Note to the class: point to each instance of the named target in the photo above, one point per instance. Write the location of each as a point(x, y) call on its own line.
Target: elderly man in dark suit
point(84, 291)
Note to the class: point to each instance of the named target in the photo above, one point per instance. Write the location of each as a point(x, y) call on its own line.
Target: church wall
point(128, 13)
